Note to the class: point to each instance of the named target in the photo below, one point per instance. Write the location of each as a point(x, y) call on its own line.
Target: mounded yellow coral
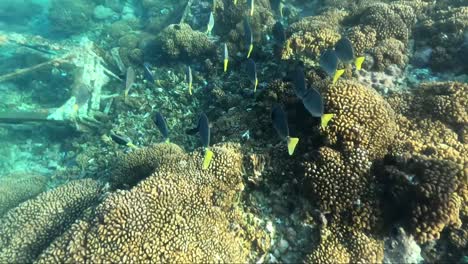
point(27, 229)
point(361, 117)
point(179, 41)
point(180, 214)
point(363, 38)
point(387, 52)
point(18, 187)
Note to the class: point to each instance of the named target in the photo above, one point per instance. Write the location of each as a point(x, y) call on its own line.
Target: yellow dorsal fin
point(292, 142)
point(207, 159)
point(358, 62)
point(225, 64)
point(250, 50)
point(325, 119)
point(338, 74)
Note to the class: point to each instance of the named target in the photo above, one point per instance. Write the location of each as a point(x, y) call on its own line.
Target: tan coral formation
point(27, 229)
point(19, 187)
point(180, 213)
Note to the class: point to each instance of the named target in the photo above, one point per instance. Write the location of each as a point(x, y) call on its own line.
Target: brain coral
point(179, 41)
point(27, 229)
point(180, 213)
point(362, 117)
point(18, 187)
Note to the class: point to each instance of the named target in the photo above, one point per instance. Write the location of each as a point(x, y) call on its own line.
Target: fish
point(189, 78)
point(279, 33)
point(82, 94)
point(311, 98)
point(345, 52)
point(122, 140)
point(203, 128)
point(226, 57)
point(329, 63)
point(211, 23)
point(147, 72)
point(160, 123)
point(251, 4)
point(248, 37)
point(280, 123)
point(129, 80)
point(252, 73)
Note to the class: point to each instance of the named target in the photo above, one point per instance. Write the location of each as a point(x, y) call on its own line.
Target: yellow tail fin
point(130, 144)
point(338, 74)
point(325, 119)
point(225, 64)
point(167, 140)
point(250, 50)
point(256, 84)
point(207, 159)
point(235, 2)
point(76, 107)
point(358, 62)
point(292, 142)
point(190, 88)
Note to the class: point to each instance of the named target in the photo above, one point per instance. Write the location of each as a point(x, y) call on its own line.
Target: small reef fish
point(210, 25)
point(160, 123)
point(226, 57)
point(248, 37)
point(82, 94)
point(122, 140)
point(251, 4)
point(345, 52)
point(189, 78)
point(329, 63)
point(279, 33)
point(311, 98)
point(280, 123)
point(129, 80)
point(203, 128)
point(252, 73)
point(147, 73)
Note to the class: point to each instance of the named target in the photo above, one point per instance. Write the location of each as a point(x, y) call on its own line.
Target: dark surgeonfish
point(160, 123)
point(122, 140)
point(248, 37)
point(279, 33)
point(189, 78)
point(329, 63)
point(345, 52)
point(226, 57)
point(203, 128)
point(252, 73)
point(280, 123)
point(82, 93)
point(311, 98)
point(147, 73)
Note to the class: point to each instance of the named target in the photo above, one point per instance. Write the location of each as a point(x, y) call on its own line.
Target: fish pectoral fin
point(325, 119)
point(292, 142)
point(337, 75)
point(358, 62)
point(207, 159)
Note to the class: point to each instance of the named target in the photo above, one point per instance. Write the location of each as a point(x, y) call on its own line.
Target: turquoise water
point(335, 131)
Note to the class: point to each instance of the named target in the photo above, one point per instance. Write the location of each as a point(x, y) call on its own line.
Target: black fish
point(329, 62)
point(122, 140)
point(203, 128)
point(252, 73)
point(280, 123)
point(248, 37)
point(160, 122)
point(278, 33)
point(147, 72)
point(313, 102)
point(344, 50)
point(299, 82)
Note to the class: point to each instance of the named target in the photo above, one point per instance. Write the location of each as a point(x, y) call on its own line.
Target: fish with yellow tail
point(210, 25)
point(248, 38)
point(122, 140)
point(329, 63)
point(189, 78)
point(203, 128)
point(251, 4)
point(345, 52)
point(226, 57)
point(129, 80)
point(82, 93)
point(160, 123)
point(251, 69)
point(311, 98)
point(280, 123)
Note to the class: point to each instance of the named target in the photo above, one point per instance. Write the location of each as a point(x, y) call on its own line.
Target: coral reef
point(18, 187)
point(69, 16)
point(179, 41)
point(178, 214)
point(27, 229)
point(388, 52)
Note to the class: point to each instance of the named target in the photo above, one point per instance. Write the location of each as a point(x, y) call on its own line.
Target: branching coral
point(362, 117)
point(27, 229)
point(179, 41)
point(180, 214)
point(19, 187)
